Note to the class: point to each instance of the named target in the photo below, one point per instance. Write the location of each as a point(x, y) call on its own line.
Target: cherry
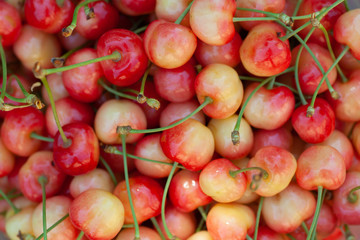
point(73, 41)
point(170, 10)
point(265, 233)
point(319, 126)
point(348, 63)
point(133, 62)
point(20, 222)
point(57, 87)
point(10, 22)
point(98, 213)
point(115, 161)
point(263, 53)
point(169, 45)
point(81, 153)
point(145, 233)
point(201, 235)
point(40, 164)
point(135, 8)
point(7, 160)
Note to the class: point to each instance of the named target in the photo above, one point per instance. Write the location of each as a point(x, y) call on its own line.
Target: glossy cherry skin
point(106, 18)
point(116, 161)
point(17, 127)
point(133, 62)
point(319, 126)
point(230, 221)
point(320, 166)
point(170, 10)
point(346, 211)
point(169, 45)
point(82, 82)
point(47, 15)
point(20, 222)
point(268, 108)
point(69, 111)
point(135, 8)
point(175, 85)
point(222, 84)
point(82, 155)
point(145, 233)
point(348, 62)
point(190, 144)
point(98, 213)
point(211, 21)
point(279, 164)
point(10, 24)
point(146, 196)
point(40, 164)
point(262, 52)
point(7, 160)
point(185, 192)
point(347, 32)
point(57, 87)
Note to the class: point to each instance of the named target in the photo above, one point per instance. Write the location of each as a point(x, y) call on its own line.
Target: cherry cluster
point(180, 119)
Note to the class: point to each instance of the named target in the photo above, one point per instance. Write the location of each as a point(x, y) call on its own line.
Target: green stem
point(113, 91)
point(270, 14)
point(248, 237)
point(67, 31)
point(346, 5)
point(81, 234)
point(22, 88)
point(59, 61)
point(316, 215)
point(183, 14)
point(290, 236)
point(352, 197)
point(297, 7)
point(303, 225)
point(126, 174)
point(167, 185)
point(11, 196)
point(271, 83)
point(293, 32)
point(4, 71)
point(157, 227)
point(53, 226)
point(207, 101)
point(6, 198)
point(141, 29)
point(34, 135)
point(43, 181)
point(348, 234)
point(247, 78)
point(264, 173)
point(141, 97)
point(202, 213)
point(258, 214)
point(245, 19)
point(108, 168)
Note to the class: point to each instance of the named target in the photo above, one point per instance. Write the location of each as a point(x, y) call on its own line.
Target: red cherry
point(135, 8)
point(10, 24)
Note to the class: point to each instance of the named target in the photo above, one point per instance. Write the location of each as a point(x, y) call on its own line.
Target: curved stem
point(207, 101)
point(22, 88)
point(264, 173)
point(202, 213)
point(126, 174)
point(53, 226)
point(43, 181)
point(108, 168)
point(166, 188)
point(113, 91)
point(6, 198)
point(141, 97)
point(79, 237)
point(258, 214)
point(4, 71)
point(316, 215)
point(34, 135)
point(183, 14)
point(352, 197)
point(245, 19)
point(157, 227)
point(59, 61)
point(56, 117)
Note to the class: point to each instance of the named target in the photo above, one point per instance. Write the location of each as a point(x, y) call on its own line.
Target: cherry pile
point(180, 119)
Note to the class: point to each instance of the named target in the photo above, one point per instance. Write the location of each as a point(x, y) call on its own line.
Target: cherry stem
point(108, 168)
point(346, 5)
point(140, 29)
point(247, 78)
point(202, 220)
point(128, 226)
point(128, 129)
point(342, 75)
point(53, 226)
point(258, 215)
point(352, 197)
point(157, 227)
point(324, 77)
point(67, 31)
point(43, 181)
point(303, 225)
point(245, 19)
point(167, 185)
point(348, 234)
point(11, 196)
point(79, 237)
point(126, 174)
point(297, 7)
point(113, 91)
point(316, 215)
point(248, 237)
point(290, 236)
point(263, 173)
point(60, 3)
point(39, 73)
point(141, 97)
point(293, 32)
point(183, 14)
point(22, 88)
point(202, 213)
point(59, 61)
point(271, 83)
point(7, 199)
point(34, 135)
point(235, 135)
point(66, 142)
point(114, 150)
point(4, 72)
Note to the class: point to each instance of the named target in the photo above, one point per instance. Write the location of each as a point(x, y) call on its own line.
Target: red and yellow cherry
point(191, 144)
point(146, 195)
point(266, 233)
point(280, 166)
point(98, 213)
point(262, 52)
point(17, 127)
point(20, 222)
point(222, 84)
point(57, 87)
point(7, 160)
point(40, 164)
point(135, 8)
point(268, 108)
point(114, 113)
point(348, 62)
point(169, 45)
point(170, 10)
point(116, 161)
point(133, 62)
point(185, 192)
point(201, 235)
point(212, 21)
point(145, 233)
point(10, 22)
point(230, 221)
